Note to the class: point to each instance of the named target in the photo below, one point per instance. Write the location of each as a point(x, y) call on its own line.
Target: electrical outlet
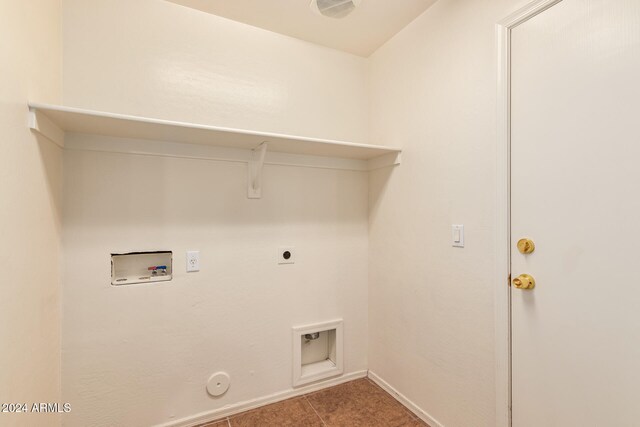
point(286, 255)
point(193, 261)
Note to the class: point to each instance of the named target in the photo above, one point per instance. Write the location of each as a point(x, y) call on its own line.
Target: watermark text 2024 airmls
point(41, 407)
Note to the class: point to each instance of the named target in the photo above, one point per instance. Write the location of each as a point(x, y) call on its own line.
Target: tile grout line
point(314, 410)
point(377, 390)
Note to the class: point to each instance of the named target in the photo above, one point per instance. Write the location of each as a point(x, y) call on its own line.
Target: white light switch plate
point(193, 261)
point(457, 236)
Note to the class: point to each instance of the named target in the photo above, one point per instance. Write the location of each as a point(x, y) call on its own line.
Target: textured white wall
point(30, 188)
point(433, 93)
point(141, 354)
point(155, 58)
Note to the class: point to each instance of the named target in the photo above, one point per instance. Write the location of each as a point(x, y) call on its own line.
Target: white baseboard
point(236, 408)
point(420, 413)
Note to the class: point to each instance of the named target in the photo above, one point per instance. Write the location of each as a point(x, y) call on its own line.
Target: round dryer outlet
point(218, 384)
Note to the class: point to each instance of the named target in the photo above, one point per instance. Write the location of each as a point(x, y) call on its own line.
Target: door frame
point(503, 219)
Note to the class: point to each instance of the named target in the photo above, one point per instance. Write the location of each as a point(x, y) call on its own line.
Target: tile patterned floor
point(359, 403)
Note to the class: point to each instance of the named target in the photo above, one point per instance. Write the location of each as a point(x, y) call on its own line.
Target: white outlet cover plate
point(193, 261)
point(281, 258)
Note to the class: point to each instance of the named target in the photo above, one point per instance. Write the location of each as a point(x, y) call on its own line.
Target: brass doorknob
point(526, 246)
point(524, 281)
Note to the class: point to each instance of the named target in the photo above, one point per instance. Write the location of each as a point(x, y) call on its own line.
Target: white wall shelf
point(53, 121)
point(143, 135)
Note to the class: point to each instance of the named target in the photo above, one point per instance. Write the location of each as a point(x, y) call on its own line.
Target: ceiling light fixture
point(334, 8)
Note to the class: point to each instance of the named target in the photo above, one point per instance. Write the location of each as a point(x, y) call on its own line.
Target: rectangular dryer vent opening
point(317, 352)
point(141, 267)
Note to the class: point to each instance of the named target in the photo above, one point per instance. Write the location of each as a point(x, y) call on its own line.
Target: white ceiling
point(361, 33)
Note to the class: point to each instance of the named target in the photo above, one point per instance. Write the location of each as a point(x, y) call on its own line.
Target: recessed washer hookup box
point(141, 267)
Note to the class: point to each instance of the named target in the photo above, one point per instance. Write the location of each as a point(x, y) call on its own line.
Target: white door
point(575, 191)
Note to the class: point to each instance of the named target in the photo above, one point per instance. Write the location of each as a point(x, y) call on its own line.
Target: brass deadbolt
point(526, 246)
point(524, 281)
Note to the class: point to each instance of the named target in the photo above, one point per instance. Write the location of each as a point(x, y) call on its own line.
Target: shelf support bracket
point(40, 123)
point(255, 166)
